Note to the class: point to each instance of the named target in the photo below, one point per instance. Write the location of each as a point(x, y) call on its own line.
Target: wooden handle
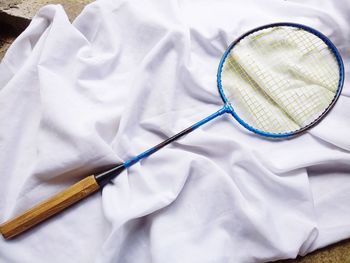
point(50, 207)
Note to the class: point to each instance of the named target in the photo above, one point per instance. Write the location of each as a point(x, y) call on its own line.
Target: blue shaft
point(154, 149)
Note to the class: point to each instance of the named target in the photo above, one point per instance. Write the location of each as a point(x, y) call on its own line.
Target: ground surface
point(15, 15)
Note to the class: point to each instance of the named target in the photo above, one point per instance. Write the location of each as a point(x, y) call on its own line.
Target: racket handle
point(50, 207)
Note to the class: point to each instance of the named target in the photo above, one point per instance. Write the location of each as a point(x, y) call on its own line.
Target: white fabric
point(123, 77)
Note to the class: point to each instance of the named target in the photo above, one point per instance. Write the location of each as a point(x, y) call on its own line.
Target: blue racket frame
point(281, 135)
point(106, 176)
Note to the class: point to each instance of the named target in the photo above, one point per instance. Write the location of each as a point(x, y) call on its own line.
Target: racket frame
point(325, 39)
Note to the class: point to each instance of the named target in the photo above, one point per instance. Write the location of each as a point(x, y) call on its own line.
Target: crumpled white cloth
point(124, 76)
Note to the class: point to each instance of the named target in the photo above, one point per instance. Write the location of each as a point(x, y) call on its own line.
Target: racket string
point(282, 92)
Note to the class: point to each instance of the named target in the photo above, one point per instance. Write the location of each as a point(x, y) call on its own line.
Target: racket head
point(256, 126)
